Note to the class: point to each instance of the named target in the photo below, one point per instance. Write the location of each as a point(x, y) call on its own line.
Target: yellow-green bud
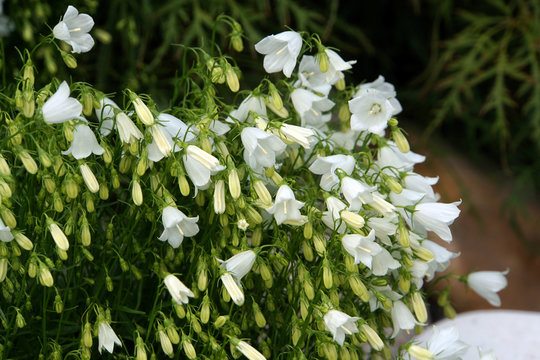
point(72, 189)
point(253, 215)
point(323, 61)
point(166, 344)
point(393, 184)
point(404, 283)
point(32, 268)
point(308, 230)
point(327, 276)
point(8, 217)
point(234, 184)
point(88, 103)
point(3, 269)
point(19, 320)
point(183, 185)
point(262, 192)
point(4, 167)
point(136, 193)
point(23, 241)
point(256, 236)
point(189, 349)
point(140, 349)
point(45, 276)
point(352, 219)
point(58, 304)
point(449, 311)
point(419, 307)
point(420, 353)
point(359, 288)
point(69, 60)
point(28, 162)
point(172, 334)
point(232, 79)
point(424, 254)
point(344, 113)
point(28, 105)
point(87, 335)
point(307, 251)
point(401, 141)
point(143, 112)
point(340, 84)
point(220, 321)
point(319, 242)
point(403, 235)
point(372, 337)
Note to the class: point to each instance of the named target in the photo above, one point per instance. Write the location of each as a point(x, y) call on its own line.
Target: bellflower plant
point(329, 234)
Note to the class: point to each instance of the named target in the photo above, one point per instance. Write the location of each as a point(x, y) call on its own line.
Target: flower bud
point(404, 283)
point(393, 184)
point(307, 251)
point(28, 162)
point(89, 178)
point(28, 73)
point(58, 304)
point(449, 311)
point(424, 254)
point(232, 79)
point(205, 311)
point(352, 219)
point(143, 112)
point(69, 60)
point(28, 105)
point(262, 193)
point(372, 337)
point(276, 98)
point(88, 103)
point(340, 84)
point(234, 184)
point(136, 193)
point(327, 276)
point(359, 288)
point(5, 190)
point(323, 61)
point(19, 320)
point(3, 269)
point(319, 242)
point(140, 350)
point(253, 216)
point(258, 315)
point(71, 187)
point(4, 167)
point(58, 235)
point(45, 276)
point(23, 241)
point(308, 230)
point(8, 217)
point(420, 353)
point(220, 321)
point(219, 197)
point(403, 234)
point(189, 349)
point(401, 141)
point(344, 113)
point(419, 307)
point(166, 344)
point(32, 268)
point(87, 335)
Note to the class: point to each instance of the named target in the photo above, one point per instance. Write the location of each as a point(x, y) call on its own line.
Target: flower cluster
point(307, 188)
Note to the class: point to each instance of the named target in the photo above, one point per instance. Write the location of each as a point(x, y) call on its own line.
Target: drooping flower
point(391, 157)
point(261, 148)
point(362, 248)
point(127, 130)
point(177, 289)
point(84, 143)
point(249, 351)
point(5, 232)
point(356, 192)
point(435, 217)
point(402, 318)
point(281, 51)
point(312, 108)
point(336, 66)
point(383, 262)
point(311, 76)
point(107, 337)
point(105, 114)
point(340, 324)
point(384, 88)
point(236, 268)
point(326, 166)
point(74, 29)
point(444, 344)
point(251, 104)
point(61, 107)
point(286, 207)
point(177, 226)
point(297, 134)
point(200, 165)
point(487, 284)
point(332, 216)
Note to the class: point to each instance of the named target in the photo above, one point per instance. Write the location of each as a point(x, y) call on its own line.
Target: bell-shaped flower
point(107, 337)
point(281, 51)
point(106, 114)
point(384, 88)
point(487, 284)
point(5, 232)
point(286, 207)
point(402, 317)
point(84, 143)
point(74, 29)
point(371, 111)
point(362, 248)
point(435, 217)
point(172, 129)
point(422, 184)
point(332, 216)
point(240, 264)
point(383, 262)
point(310, 76)
point(261, 148)
point(375, 303)
point(251, 104)
point(384, 227)
point(326, 166)
point(236, 268)
point(179, 292)
point(312, 108)
point(296, 134)
point(340, 324)
point(336, 66)
point(177, 226)
point(128, 132)
point(441, 260)
point(390, 157)
point(200, 165)
point(61, 107)
point(356, 192)
point(444, 344)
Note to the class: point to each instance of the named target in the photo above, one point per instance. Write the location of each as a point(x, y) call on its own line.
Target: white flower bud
point(89, 178)
point(219, 197)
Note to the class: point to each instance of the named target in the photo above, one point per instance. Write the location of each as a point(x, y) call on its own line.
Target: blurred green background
point(467, 71)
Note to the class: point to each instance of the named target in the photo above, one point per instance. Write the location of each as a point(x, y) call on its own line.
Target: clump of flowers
point(115, 220)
